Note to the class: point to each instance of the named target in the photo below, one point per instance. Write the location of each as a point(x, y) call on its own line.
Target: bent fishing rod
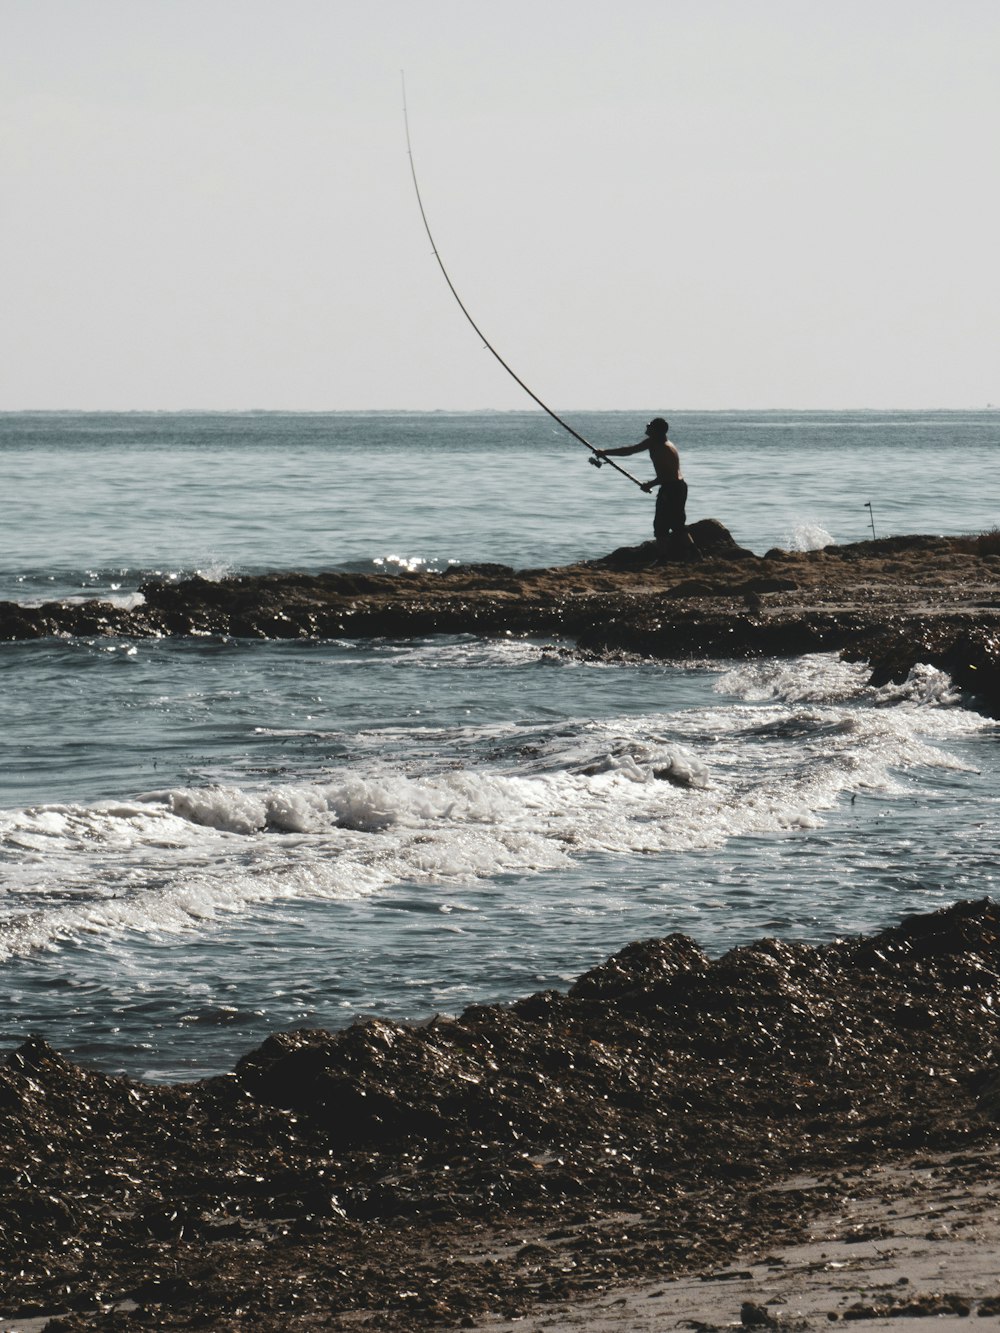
point(595, 457)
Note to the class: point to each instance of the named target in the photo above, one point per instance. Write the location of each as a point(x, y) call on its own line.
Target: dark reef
point(892, 603)
point(646, 1123)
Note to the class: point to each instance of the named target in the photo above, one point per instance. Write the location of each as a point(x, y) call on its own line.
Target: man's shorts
point(671, 504)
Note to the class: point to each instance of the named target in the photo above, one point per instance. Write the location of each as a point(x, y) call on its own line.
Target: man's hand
point(647, 486)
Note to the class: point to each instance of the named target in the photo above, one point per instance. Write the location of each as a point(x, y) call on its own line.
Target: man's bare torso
point(666, 460)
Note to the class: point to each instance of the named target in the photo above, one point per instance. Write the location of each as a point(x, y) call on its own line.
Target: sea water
point(206, 840)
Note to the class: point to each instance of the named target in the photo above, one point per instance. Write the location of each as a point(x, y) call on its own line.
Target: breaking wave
point(496, 800)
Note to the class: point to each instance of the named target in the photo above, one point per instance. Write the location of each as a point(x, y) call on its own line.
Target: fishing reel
point(597, 462)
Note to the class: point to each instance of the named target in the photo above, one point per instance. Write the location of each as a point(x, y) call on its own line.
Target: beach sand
point(914, 1239)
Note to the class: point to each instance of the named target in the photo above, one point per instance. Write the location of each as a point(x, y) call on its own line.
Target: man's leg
point(669, 524)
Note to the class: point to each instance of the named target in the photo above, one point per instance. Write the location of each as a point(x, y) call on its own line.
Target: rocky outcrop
point(892, 602)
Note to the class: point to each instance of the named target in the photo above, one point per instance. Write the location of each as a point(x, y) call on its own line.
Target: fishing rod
point(595, 458)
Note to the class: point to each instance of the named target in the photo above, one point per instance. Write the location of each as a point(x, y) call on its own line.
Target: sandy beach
point(912, 1239)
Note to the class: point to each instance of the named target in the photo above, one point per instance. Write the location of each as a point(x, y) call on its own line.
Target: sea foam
point(649, 785)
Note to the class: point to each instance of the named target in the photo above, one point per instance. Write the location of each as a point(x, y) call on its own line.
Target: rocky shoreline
point(892, 603)
point(664, 1116)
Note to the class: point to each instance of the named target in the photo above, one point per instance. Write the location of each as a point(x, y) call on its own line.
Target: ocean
point(204, 841)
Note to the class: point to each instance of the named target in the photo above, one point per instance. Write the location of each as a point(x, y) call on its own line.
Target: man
point(669, 523)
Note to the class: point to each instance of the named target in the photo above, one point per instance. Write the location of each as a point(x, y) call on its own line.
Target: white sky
point(645, 204)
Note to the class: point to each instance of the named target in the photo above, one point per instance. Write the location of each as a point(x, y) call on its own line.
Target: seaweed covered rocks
point(893, 602)
point(639, 1124)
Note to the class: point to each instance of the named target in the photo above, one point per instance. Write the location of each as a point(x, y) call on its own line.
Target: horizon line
point(454, 411)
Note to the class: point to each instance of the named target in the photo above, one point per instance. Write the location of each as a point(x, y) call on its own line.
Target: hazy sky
point(644, 203)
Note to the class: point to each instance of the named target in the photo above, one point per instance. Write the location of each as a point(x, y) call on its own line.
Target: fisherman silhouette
point(669, 522)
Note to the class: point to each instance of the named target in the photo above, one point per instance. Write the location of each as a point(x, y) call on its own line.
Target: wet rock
point(692, 588)
point(895, 603)
point(712, 540)
point(647, 966)
point(756, 1316)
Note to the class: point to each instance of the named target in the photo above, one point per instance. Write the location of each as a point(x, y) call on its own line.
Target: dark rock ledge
point(665, 1115)
point(892, 603)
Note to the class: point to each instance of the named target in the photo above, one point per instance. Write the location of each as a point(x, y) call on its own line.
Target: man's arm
point(624, 451)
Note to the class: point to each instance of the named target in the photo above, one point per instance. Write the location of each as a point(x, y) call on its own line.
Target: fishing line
point(489, 346)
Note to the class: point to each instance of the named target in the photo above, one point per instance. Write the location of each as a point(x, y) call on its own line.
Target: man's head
point(657, 429)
